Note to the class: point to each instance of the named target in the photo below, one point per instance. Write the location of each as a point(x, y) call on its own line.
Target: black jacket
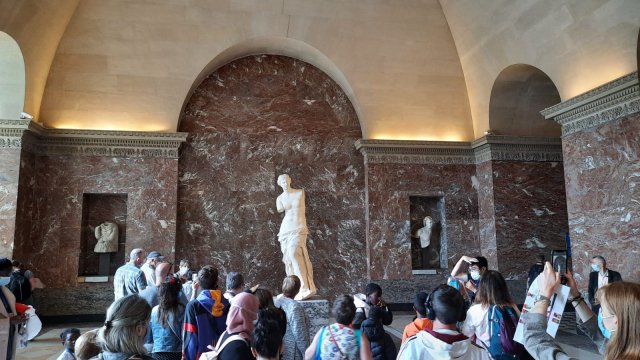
point(387, 317)
point(593, 282)
point(382, 346)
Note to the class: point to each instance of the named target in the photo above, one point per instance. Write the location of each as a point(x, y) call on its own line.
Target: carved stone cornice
point(105, 143)
point(605, 103)
point(515, 148)
point(11, 132)
point(488, 148)
point(415, 152)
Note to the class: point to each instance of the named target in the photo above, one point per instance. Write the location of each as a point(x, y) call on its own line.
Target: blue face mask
point(4, 280)
point(595, 267)
point(606, 333)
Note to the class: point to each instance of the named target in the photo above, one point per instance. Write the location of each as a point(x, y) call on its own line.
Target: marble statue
point(293, 236)
point(424, 233)
point(107, 236)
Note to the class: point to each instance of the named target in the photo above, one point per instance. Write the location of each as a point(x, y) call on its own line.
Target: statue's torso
point(295, 221)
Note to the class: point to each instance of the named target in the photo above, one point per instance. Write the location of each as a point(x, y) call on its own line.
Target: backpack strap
point(358, 338)
point(319, 348)
point(335, 342)
point(222, 344)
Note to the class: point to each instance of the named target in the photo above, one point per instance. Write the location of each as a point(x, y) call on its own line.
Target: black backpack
point(20, 286)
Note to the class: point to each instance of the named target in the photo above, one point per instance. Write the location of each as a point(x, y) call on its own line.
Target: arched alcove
point(518, 95)
point(249, 121)
point(12, 78)
point(274, 45)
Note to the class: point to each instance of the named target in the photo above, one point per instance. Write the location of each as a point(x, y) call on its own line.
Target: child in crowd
point(87, 345)
point(382, 347)
point(68, 338)
point(266, 340)
point(421, 322)
point(371, 298)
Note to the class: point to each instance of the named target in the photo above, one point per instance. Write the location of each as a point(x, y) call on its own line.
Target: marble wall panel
point(9, 178)
point(389, 187)
point(530, 213)
point(250, 121)
point(56, 210)
point(26, 209)
point(602, 172)
point(486, 212)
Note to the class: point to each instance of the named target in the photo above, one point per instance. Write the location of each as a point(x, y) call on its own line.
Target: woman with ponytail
point(166, 321)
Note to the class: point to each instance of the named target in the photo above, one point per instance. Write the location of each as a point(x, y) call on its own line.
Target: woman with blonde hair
point(127, 323)
point(619, 319)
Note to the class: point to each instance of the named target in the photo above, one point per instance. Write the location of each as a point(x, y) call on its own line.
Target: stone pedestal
point(318, 314)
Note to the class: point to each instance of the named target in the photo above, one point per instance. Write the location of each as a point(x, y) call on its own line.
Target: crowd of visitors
point(471, 316)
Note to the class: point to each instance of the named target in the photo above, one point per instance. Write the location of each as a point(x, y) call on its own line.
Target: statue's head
point(284, 181)
point(428, 221)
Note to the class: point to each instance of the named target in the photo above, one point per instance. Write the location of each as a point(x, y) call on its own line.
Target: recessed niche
point(431, 256)
point(96, 210)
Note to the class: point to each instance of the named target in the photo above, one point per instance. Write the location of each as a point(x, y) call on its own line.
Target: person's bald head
point(162, 270)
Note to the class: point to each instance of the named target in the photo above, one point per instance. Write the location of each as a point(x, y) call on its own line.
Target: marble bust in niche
point(428, 251)
point(107, 236)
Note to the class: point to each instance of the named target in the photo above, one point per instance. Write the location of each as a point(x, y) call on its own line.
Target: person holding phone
point(614, 329)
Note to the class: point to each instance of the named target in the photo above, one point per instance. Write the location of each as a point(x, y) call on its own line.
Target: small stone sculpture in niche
point(107, 236)
point(293, 236)
point(424, 233)
point(429, 254)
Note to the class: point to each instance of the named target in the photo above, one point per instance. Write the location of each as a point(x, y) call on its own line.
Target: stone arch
point(273, 45)
point(12, 78)
point(250, 120)
point(518, 95)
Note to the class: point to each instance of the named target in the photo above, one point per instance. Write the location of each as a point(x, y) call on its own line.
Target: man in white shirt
point(445, 307)
point(149, 267)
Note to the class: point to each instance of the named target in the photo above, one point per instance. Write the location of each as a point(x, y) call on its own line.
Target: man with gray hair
point(599, 277)
point(129, 279)
point(235, 285)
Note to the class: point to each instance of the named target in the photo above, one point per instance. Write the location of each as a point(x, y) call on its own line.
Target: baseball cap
point(155, 255)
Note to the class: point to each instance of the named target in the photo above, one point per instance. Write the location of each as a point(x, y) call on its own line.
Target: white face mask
point(183, 270)
point(475, 275)
point(4, 280)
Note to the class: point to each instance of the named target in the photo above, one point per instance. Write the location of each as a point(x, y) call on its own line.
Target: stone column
point(11, 132)
point(521, 201)
point(601, 149)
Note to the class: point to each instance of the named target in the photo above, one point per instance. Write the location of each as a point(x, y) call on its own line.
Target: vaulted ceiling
point(421, 70)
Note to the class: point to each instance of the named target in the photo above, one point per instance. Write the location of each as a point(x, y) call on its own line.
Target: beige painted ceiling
point(131, 64)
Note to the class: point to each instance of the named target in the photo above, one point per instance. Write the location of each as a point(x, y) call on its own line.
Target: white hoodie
point(424, 346)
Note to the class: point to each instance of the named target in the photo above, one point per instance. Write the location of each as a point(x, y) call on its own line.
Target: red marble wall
point(530, 213)
point(50, 213)
point(487, 213)
point(250, 121)
point(389, 187)
point(8, 199)
point(602, 173)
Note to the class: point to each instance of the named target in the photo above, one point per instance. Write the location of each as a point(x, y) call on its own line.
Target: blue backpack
point(502, 327)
